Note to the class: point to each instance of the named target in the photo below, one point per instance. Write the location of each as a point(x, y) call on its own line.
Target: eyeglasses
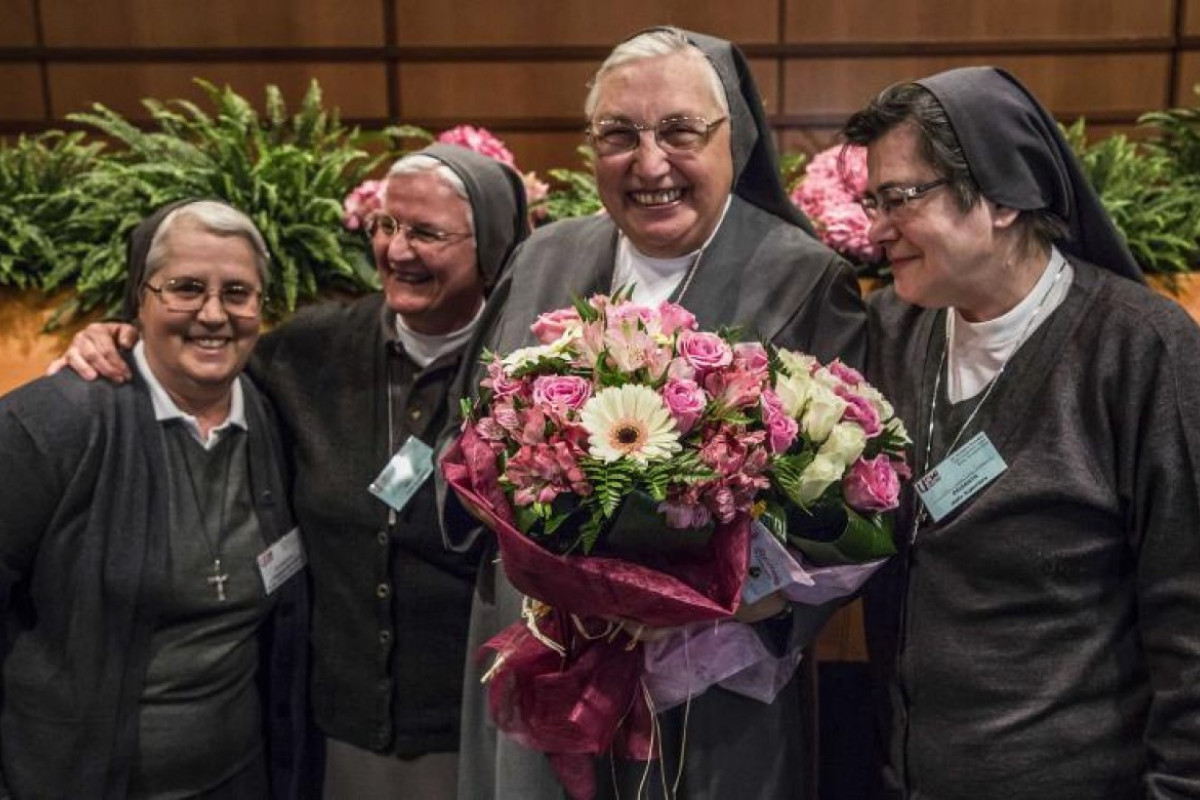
point(418, 235)
point(610, 137)
point(893, 199)
point(190, 295)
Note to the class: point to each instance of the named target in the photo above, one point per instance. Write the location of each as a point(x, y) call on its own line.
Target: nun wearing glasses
point(153, 640)
point(362, 390)
point(696, 214)
point(1040, 633)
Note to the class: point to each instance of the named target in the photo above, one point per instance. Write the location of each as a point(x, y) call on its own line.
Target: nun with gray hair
point(362, 390)
point(1039, 635)
point(146, 650)
point(696, 214)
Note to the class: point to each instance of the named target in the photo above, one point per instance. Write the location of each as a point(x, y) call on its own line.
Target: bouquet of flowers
point(620, 462)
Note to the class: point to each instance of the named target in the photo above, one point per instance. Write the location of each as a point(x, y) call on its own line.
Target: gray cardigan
point(83, 497)
point(1043, 640)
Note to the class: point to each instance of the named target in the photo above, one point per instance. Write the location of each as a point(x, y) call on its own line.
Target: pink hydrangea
point(828, 195)
point(362, 202)
point(481, 140)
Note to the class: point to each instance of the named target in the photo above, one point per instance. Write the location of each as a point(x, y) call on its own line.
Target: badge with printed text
point(402, 477)
point(957, 478)
point(279, 562)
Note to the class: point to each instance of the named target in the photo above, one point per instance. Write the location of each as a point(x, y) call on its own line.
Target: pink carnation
point(481, 140)
point(846, 374)
point(872, 485)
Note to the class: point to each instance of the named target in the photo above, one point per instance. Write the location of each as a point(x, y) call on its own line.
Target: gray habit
point(776, 282)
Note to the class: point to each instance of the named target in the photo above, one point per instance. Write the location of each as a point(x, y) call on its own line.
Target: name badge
point(279, 562)
point(963, 473)
point(409, 468)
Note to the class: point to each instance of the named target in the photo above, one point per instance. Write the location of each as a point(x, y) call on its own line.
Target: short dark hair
point(914, 105)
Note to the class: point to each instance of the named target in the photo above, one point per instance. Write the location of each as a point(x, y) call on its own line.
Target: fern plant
point(574, 193)
point(287, 173)
point(1140, 187)
point(43, 222)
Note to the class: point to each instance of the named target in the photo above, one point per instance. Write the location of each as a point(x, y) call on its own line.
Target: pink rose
point(622, 313)
point(569, 391)
point(704, 351)
point(781, 429)
point(550, 326)
point(750, 356)
point(860, 411)
point(872, 485)
point(846, 374)
point(675, 318)
point(686, 402)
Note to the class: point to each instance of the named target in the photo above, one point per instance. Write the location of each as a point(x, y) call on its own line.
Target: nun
point(696, 214)
point(1039, 635)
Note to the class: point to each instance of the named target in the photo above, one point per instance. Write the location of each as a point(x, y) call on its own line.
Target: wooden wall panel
point(1191, 18)
point(1189, 77)
point(823, 21)
point(360, 90)
point(21, 98)
point(213, 23)
point(553, 22)
point(17, 25)
point(471, 91)
point(541, 152)
point(1125, 84)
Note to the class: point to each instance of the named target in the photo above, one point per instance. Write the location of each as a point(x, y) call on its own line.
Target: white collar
point(165, 408)
point(655, 279)
point(424, 348)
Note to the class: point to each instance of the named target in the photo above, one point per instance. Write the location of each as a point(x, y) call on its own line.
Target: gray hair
point(212, 217)
point(653, 44)
point(418, 163)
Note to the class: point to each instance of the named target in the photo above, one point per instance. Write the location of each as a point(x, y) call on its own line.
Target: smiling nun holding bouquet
point(620, 463)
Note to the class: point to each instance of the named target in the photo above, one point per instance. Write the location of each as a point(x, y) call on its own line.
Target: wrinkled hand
point(95, 352)
point(763, 608)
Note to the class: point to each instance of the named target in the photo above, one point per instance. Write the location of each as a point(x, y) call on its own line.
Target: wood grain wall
point(520, 67)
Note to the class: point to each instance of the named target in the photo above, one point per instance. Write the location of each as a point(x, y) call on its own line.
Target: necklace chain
point(922, 514)
point(218, 578)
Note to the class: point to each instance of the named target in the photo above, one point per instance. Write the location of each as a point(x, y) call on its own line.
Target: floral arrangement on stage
point(367, 197)
point(620, 462)
point(828, 194)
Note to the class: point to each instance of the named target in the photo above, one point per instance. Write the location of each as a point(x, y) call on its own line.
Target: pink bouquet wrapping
point(620, 463)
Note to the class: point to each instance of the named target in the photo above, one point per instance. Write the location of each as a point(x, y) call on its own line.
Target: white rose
point(873, 396)
point(823, 411)
point(797, 363)
point(818, 476)
point(793, 392)
point(845, 443)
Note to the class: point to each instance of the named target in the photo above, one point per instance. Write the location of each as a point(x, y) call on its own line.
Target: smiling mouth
point(661, 197)
point(209, 342)
point(408, 276)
